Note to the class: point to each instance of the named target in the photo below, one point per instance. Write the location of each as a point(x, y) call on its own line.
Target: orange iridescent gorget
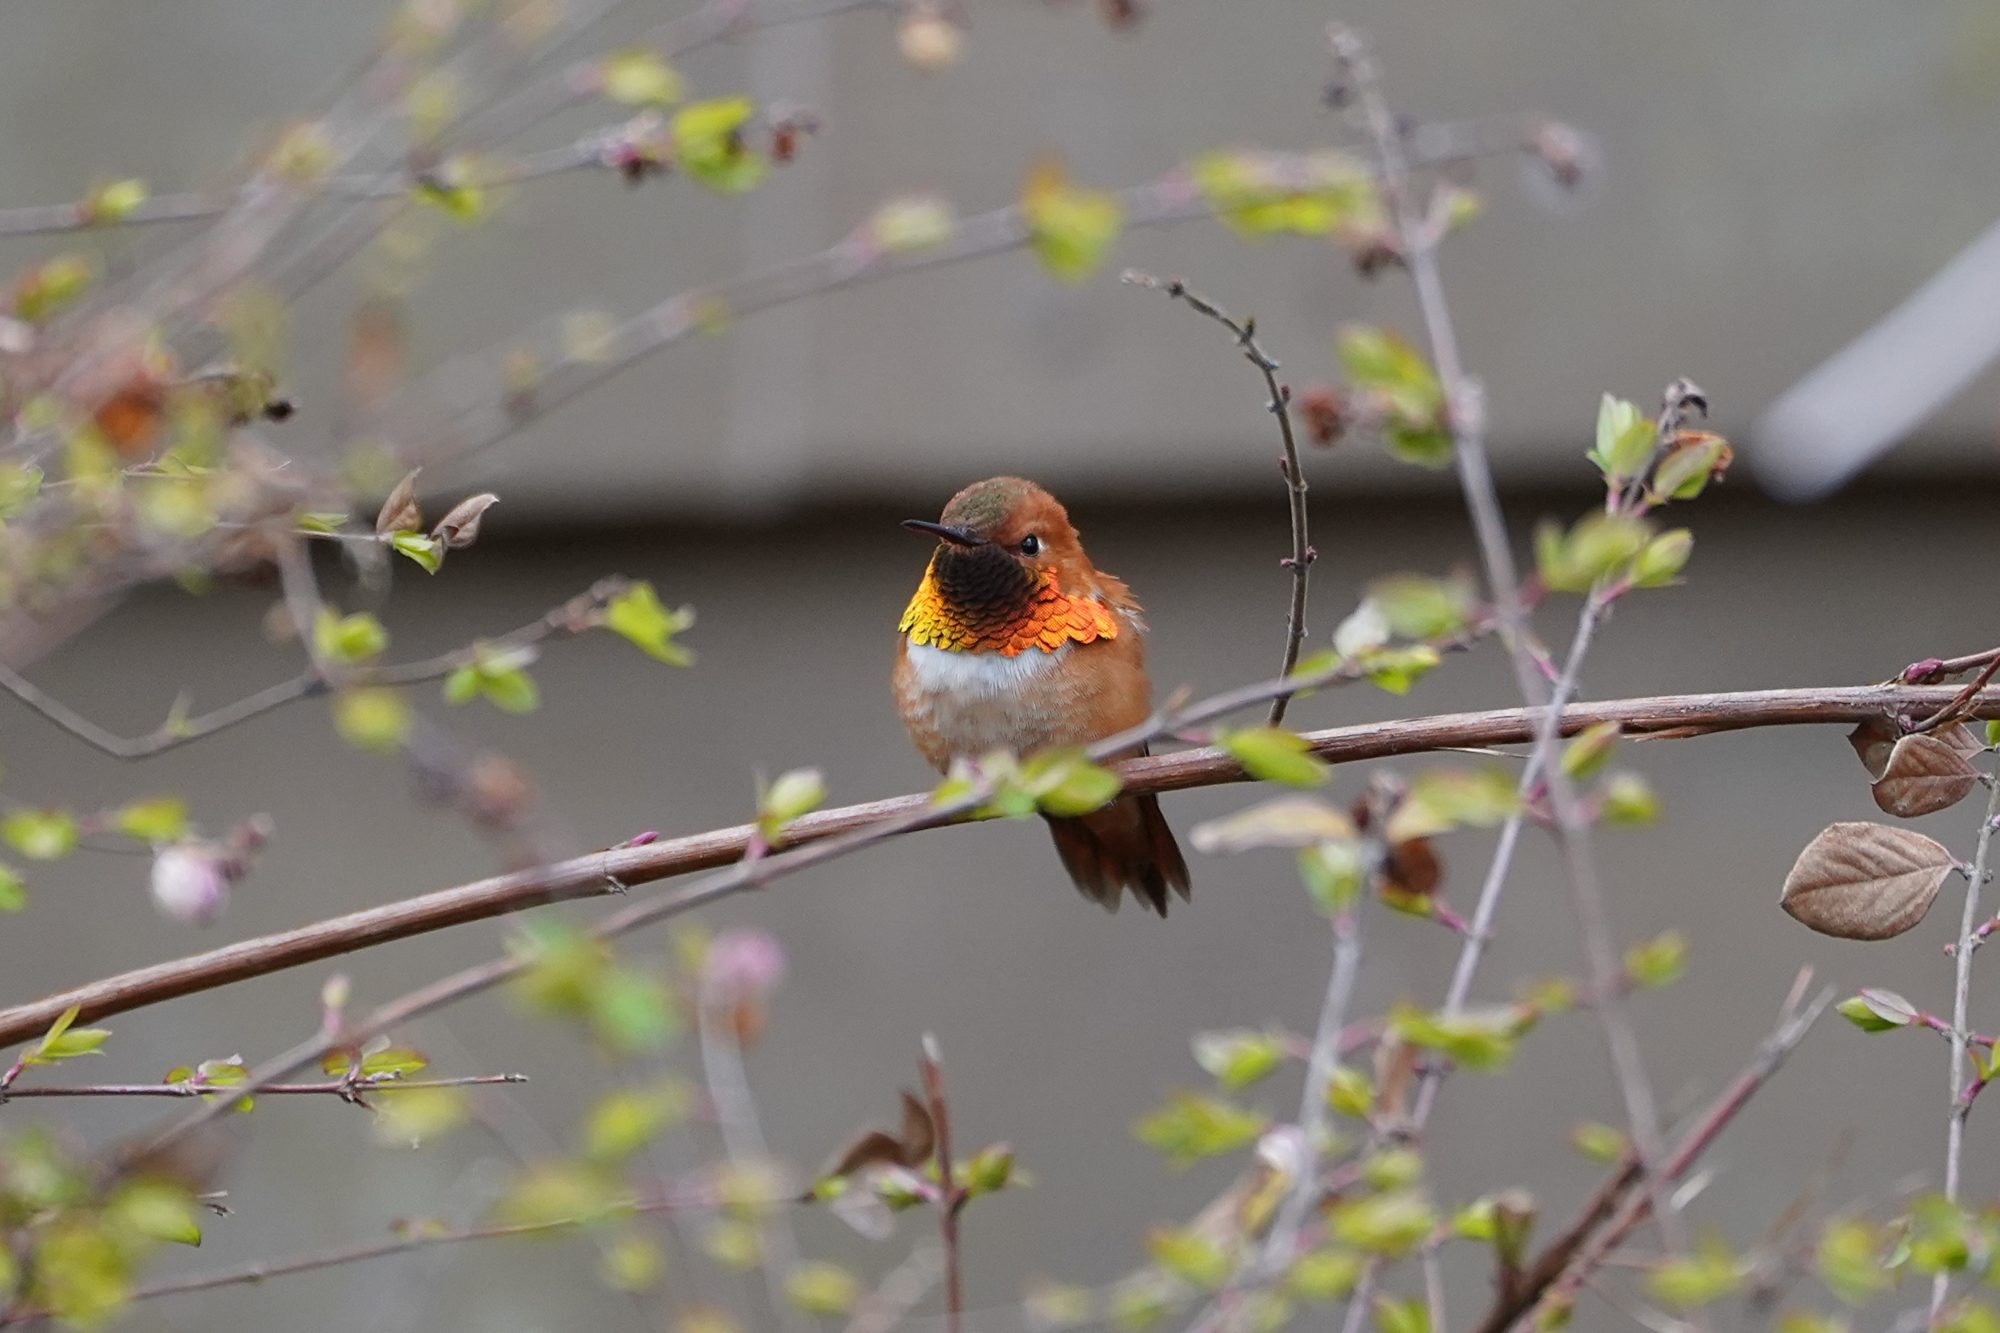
point(1047, 619)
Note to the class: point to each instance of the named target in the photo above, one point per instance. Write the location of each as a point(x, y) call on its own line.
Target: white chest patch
point(964, 675)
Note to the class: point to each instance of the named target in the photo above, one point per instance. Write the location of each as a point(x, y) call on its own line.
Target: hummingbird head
point(1009, 572)
point(1000, 538)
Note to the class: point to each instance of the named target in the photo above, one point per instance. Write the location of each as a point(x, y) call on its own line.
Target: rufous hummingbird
point(1015, 641)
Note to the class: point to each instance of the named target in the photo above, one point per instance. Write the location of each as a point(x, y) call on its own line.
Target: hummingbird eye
point(1031, 544)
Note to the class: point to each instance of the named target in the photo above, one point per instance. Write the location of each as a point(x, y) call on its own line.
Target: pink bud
point(190, 882)
point(743, 966)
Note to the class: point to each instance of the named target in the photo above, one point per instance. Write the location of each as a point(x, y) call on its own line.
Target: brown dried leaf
point(1872, 740)
point(399, 511)
point(459, 528)
point(919, 1134)
point(872, 1147)
point(1395, 1070)
point(1861, 881)
point(1412, 868)
point(1924, 775)
point(1960, 738)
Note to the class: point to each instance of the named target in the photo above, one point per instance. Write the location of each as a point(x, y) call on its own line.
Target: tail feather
point(1126, 845)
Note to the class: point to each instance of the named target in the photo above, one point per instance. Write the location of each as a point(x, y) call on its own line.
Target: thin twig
point(743, 1140)
point(572, 617)
point(346, 1089)
point(1615, 1208)
point(951, 1197)
point(1279, 404)
point(1961, 1021)
point(1465, 412)
point(616, 869)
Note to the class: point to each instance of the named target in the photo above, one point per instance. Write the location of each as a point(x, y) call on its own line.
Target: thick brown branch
point(612, 871)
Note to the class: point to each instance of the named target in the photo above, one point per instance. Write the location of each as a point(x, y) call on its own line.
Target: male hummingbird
point(1014, 640)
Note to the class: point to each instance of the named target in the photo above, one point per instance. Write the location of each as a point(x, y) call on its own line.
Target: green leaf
point(1663, 559)
point(551, 1192)
point(990, 1170)
point(1624, 440)
point(1065, 783)
point(1349, 1092)
point(709, 144)
point(1392, 1168)
point(390, 1061)
point(154, 1210)
point(1379, 361)
point(426, 551)
point(351, 638)
point(1440, 800)
point(1190, 1256)
point(154, 819)
point(1628, 800)
point(1191, 1127)
point(1071, 228)
point(13, 892)
point(1333, 872)
point(633, 1262)
point(1657, 962)
point(1325, 1275)
point(63, 1042)
point(114, 201)
point(1877, 1010)
point(372, 717)
point(1599, 545)
point(626, 1120)
point(1390, 1224)
point(1419, 607)
point(1589, 750)
point(632, 1013)
point(638, 77)
point(1599, 1142)
point(822, 1290)
point(1695, 1280)
point(1473, 1038)
point(40, 835)
point(1397, 669)
point(46, 290)
point(1272, 754)
point(1239, 1058)
point(498, 677)
point(1849, 1260)
point(1255, 200)
point(1694, 460)
point(1401, 1314)
point(636, 614)
point(20, 483)
point(794, 793)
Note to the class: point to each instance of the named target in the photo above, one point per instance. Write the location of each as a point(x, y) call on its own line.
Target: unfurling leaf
point(1658, 961)
point(1239, 1058)
point(1191, 1127)
point(1390, 1224)
point(1860, 881)
point(400, 512)
point(1446, 799)
point(372, 717)
point(1065, 783)
point(1923, 776)
point(1599, 1142)
point(639, 77)
point(1663, 559)
point(637, 615)
point(155, 819)
point(459, 528)
point(1695, 459)
point(709, 144)
point(425, 551)
point(822, 1289)
point(792, 795)
point(1191, 1256)
point(40, 835)
point(348, 639)
point(1877, 1010)
point(1072, 228)
point(1624, 440)
point(1589, 750)
point(1416, 606)
point(1272, 754)
point(1288, 821)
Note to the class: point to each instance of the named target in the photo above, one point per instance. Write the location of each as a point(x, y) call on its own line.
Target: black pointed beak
point(944, 533)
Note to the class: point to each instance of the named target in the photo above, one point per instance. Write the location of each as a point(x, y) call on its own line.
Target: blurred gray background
point(1775, 177)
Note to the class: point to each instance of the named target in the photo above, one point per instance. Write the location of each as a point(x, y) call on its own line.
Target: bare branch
point(1279, 405)
point(345, 1089)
